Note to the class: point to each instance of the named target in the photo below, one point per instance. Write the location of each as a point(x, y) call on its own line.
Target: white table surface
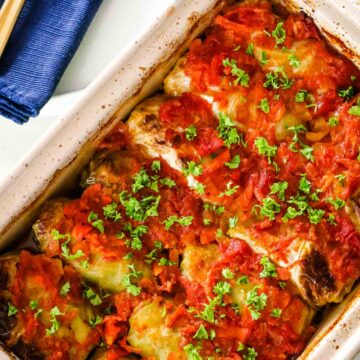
point(117, 24)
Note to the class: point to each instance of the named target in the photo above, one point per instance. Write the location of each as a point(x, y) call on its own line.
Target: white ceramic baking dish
point(52, 166)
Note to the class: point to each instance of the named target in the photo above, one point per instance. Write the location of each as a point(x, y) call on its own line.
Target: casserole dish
point(103, 108)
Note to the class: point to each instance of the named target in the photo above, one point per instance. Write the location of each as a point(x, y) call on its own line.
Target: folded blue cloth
point(44, 39)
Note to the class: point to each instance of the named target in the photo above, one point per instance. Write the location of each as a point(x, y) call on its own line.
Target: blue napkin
point(45, 37)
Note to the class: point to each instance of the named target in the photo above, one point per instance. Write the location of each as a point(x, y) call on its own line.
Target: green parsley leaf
point(33, 304)
point(227, 273)
point(347, 94)
point(168, 182)
point(139, 210)
point(55, 324)
point(275, 81)
point(301, 96)
point(336, 203)
point(91, 295)
point(315, 215)
point(222, 288)
point(166, 262)
point(201, 333)
point(192, 169)
point(208, 314)
point(304, 184)
point(333, 121)
point(268, 208)
point(242, 280)
point(240, 347)
point(156, 165)
point(256, 302)
point(110, 212)
point(95, 320)
point(192, 352)
point(251, 354)
point(94, 220)
point(331, 219)
point(228, 132)
point(12, 310)
point(264, 105)
point(57, 236)
point(341, 178)
point(242, 77)
point(279, 188)
point(65, 252)
point(191, 132)
point(199, 188)
point(355, 109)
point(263, 59)
point(229, 190)
point(276, 312)
point(297, 130)
point(126, 282)
point(143, 180)
point(265, 149)
point(279, 33)
point(294, 61)
point(233, 222)
point(269, 269)
point(65, 289)
point(234, 162)
point(307, 152)
point(250, 50)
point(183, 221)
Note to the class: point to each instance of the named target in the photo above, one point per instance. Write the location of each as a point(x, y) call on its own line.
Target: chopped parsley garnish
point(250, 50)
point(166, 262)
point(57, 236)
point(227, 273)
point(301, 96)
point(152, 255)
point(65, 289)
point(65, 252)
point(294, 61)
point(305, 150)
point(12, 310)
point(139, 210)
point(347, 94)
point(143, 180)
point(192, 169)
point(315, 215)
point(269, 208)
point(279, 188)
point(276, 312)
point(333, 121)
point(208, 314)
point(191, 352)
point(95, 320)
point(156, 165)
point(355, 109)
point(269, 269)
point(242, 280)
point(279, 33)
point(282, 284)
point(228, 132)
point(191, 132)
point(275, 81)
point(222, 288)
point(183, 221)
point(234, 162)
point(264, 105)
point(201, 333)
point(331, 219)
point(33, 304)
point(92, 296)
point(263, 59)
point(304, 184)
point(135, 234)
point(229, 190)
point(55, 324)
point(336, 203)
point(256, 302)
point(218, 210)
point(199, 188)
point(341, 178)
point(242, 77)
point(265, 149)
point(251, 354)
point(168, 182)
point(126, 282)
point(233, 221)
point(110, 212)
point(97, 223)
